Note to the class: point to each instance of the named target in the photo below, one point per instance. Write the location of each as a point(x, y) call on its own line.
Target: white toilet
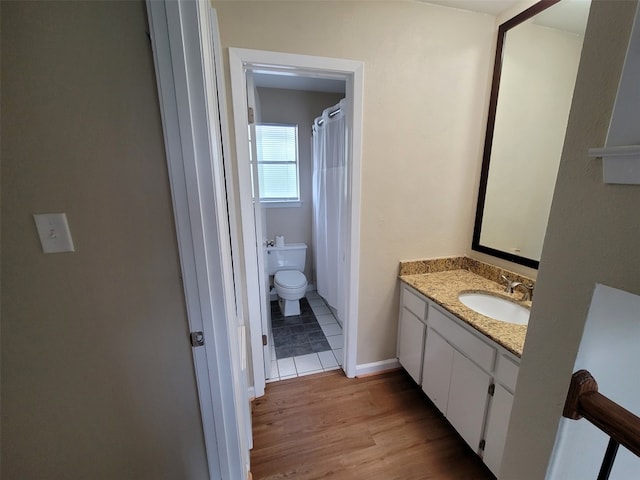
point(286, 263)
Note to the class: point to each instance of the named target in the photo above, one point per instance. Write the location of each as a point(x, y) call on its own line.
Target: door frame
point(186, 51)
point(352, 72)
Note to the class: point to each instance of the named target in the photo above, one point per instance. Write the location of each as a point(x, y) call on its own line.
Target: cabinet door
point(497, 424)
point(436, 369)
point(410, 343)
point(468, 397)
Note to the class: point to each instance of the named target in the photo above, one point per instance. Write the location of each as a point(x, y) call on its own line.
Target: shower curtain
point(329, 202)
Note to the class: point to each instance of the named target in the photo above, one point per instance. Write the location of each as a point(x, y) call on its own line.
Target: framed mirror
point(537, 57)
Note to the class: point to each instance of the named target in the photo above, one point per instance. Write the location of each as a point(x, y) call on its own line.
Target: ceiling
point(567, 15)
point(291, 81)
point(491, 7)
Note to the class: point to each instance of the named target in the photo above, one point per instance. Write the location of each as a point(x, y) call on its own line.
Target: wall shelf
point(621, 154)
point(620, 165)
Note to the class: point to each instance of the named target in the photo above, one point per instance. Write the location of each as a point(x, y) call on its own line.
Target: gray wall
point(97, 374)
point(296, 107)
point(592, 237)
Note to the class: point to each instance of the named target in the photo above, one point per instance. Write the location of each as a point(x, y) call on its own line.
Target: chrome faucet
point(527, 291)
point(509, 285)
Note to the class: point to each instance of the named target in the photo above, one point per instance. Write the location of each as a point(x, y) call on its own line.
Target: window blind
point(277, 147)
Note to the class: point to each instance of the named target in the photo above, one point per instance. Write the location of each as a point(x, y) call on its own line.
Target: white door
point(260, 221)
point(187, 55)
point(497, 427)
point(436, 369)
point(468, 396)
point(410, 344)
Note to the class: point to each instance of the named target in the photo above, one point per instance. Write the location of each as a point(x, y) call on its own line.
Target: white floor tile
point(316, 302)
point(339, 356)
point(325, 319)
point(328, 360)
point(320, 310)
point(289, 376)
point(307, 363)
point(286, 367)
point(331, 329)
point(311, 372)
point(336, 341)
point(274, 370)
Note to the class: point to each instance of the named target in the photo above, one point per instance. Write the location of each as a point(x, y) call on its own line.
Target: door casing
point(352, 72)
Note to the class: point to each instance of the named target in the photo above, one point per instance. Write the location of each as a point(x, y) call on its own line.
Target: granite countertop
point(443, 288)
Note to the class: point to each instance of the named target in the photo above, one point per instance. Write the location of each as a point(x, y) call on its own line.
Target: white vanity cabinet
point(469, 377)
point(411, 332)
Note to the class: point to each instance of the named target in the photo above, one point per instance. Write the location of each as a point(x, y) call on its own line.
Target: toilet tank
point(290, 257)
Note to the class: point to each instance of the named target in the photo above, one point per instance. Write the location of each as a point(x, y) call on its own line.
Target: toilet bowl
point(291, 286)
point(286, 263)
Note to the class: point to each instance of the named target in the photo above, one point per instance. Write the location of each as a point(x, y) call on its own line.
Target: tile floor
point(298, 365)
point(297, 334)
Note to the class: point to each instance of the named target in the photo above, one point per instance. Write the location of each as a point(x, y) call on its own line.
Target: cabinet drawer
point(507, 373)
point(472, 347)
point(413, 303)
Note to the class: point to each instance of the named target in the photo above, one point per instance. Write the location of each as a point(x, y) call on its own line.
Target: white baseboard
point(377, 367)
point(251, 394)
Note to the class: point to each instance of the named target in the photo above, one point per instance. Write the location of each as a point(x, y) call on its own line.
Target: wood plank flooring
point(379, 427)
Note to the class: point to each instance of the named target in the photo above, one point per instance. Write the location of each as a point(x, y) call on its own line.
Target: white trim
point(183, 36)
point(621, 155)
point(377, 367)
point(355, 85)
point(623, 151)
point(620, 165)
point(352, 72)
point(281, 204)
point(251, 274)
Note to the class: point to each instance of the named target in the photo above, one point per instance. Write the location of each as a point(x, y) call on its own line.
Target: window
point(277, 147)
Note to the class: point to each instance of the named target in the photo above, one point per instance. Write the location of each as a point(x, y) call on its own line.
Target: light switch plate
point(54, 233)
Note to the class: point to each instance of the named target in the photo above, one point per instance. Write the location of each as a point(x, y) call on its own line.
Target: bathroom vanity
point(465, 362)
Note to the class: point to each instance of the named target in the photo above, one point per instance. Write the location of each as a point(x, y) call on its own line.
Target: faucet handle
point(528, 291)
point(508, 284)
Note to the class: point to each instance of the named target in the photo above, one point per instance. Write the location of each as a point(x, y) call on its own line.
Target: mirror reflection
point(537, 59)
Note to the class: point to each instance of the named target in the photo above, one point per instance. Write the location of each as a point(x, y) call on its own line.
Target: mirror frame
point(488, 141)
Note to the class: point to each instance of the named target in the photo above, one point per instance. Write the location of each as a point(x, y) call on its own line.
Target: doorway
point(282, 68)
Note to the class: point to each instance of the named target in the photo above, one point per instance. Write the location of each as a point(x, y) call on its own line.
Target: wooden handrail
point(584, 400)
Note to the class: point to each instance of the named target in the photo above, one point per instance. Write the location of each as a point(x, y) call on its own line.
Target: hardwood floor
point(379, 427)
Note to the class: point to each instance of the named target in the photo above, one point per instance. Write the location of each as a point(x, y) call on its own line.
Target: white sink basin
point(496, 307)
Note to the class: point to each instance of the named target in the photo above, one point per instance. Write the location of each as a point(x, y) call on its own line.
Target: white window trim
point(281, 203)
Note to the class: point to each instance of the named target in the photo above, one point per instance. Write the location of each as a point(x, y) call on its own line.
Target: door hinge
point(483, 443)
point(197, 339)
point(250, 115)
point(264, 340)
point(492, 389)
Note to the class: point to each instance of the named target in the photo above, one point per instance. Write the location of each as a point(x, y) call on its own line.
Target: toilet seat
point(291, 279)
